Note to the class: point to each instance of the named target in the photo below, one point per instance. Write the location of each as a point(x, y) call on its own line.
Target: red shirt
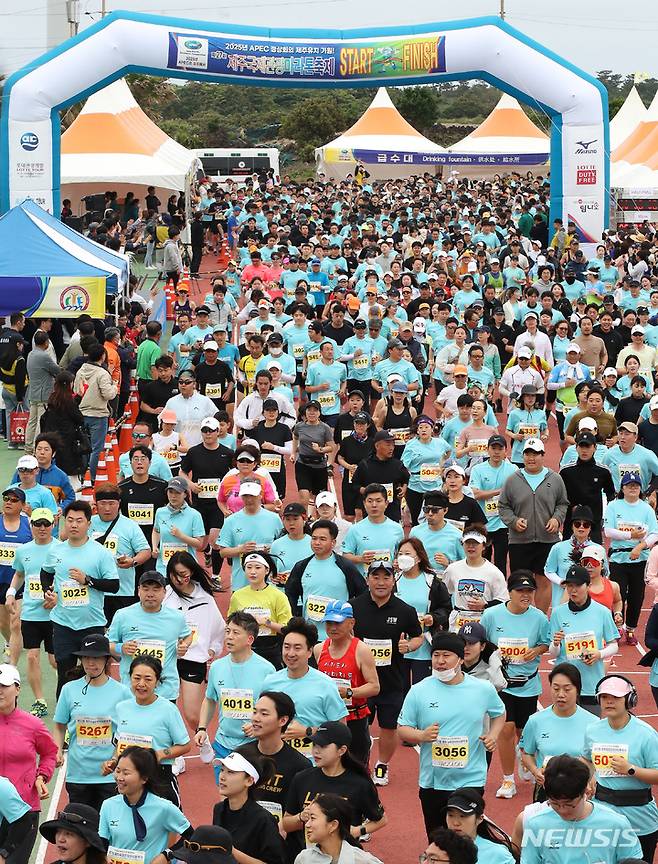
point(347, 669)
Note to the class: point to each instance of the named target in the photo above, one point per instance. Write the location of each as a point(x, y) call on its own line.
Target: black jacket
point(354, 581)
point(584, 482)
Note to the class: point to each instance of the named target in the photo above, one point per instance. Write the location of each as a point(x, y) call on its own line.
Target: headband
point(254, 556)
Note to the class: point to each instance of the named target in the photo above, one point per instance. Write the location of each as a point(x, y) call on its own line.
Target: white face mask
point(406, 562)
point(275, 352)
point(446, 675)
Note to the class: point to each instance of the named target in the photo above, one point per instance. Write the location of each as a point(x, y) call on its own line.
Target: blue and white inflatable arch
point(484, 48)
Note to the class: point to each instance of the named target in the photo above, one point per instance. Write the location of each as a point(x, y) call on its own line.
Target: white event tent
point(634, 163)
point(627, 119)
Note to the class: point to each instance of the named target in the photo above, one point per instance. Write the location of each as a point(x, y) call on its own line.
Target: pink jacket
point(26, 749)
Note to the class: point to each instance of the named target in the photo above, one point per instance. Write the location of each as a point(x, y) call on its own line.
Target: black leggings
point(415, 504)
point(92, 794)
point(630, 578)
point(648, 843)
point(497, 551)
point(360, 746)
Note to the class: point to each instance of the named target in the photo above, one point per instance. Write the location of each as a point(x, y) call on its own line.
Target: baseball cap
point(380, 565)
point(42, 513)
point(28, 462)
point(577, 575)
point(237, 762)
point(533, 444)
point(210, 345)
point(178, 484)
point(210, 423)
point(472, 632)
point(406, 325)
point(520, 580)
point(582, 512)
point(638, 328)
point(629, 427)
point(614, 686)
point(384, 435)
point(315, 261)
point(497, 310)
point(454, 467)
point(338, 611)
point(653, 402)
point(595, 552)
point(360, 323)
point(524, 352)
point(588, 439)
point(497, 441)
point(399, 387)
point(361, 417)
point(152, 576)
point(275, 339)
point(294, 509)
point(16, 492)
point(9, 675)
point(250, 488)
point(332, 732)
point(530, 315)
point(326, 498)
point(471, 534)
point(631, 477)
point(167, 416)
point(459, 369)
point(202, 310)
point(270, 405)
point(466, 800)
point(313, 403)
point(588, 423)
point(528, 390)
point(573, 346)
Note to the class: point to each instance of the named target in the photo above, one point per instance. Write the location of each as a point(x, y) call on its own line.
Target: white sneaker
point(179, 765)
point(206, 753)
point(380, 774)
point(507, 789)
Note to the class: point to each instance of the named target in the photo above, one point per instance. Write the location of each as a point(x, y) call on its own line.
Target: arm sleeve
point(294, 587)
point(439, 604)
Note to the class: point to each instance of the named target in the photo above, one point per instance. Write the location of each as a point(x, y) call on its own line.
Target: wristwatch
point(362, 831)
point(308, 731)
point(631, 771)
point(349, 693)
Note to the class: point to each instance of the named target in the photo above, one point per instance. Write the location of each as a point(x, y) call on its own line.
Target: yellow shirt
point(267, 603)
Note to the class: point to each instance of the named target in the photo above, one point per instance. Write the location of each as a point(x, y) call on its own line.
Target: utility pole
point(502, 9)
point(73, 16)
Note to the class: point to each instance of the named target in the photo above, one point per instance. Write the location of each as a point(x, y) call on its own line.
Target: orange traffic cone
point(115, 443)
point(170, 297)
point(133, 404)
point(101, 472)
point(112, 472)
point(86, 493)
point(126, 436)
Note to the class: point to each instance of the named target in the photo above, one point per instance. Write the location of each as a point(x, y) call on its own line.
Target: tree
point(418, 105)
point(318, 119)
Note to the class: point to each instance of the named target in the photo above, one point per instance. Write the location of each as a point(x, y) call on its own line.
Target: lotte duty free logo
point(29, 141)
point(586, 176)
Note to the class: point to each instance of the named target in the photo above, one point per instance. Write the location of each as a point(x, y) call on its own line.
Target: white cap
point(250, 488)
point(474, 535)
point(494, 260)
point(456, 468)
point(595, 552)
point(209, 423)
point(653, 402)
point(210, 345)
point(28, 462)
point(610, 371)
point(534, 444)
point(237, 762)
point(9, 675)
point(573, 346)
point(252, 441)
point(524, 351)
point(419, 325)
point(271, 363)
point(326, 498)
point(530, 314)
point(638, 329)
point(588, 423)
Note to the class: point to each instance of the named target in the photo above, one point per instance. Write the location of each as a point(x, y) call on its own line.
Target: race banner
point(53, 297)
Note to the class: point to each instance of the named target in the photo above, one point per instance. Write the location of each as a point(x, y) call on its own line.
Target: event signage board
point(54, 296)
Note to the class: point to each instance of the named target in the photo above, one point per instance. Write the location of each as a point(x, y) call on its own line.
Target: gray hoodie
point(94, 384)
point(518, 501)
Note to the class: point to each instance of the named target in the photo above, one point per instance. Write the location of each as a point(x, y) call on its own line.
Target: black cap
point(472, 632)
point(586, 437)
point(275, 338)
point(497, 440)
point(17, 492)
point(466, 800)
point(384, 435)
point(577, 575)
point(203, 310)
point(313, 403)
point(332, 732)
point(94, 645)
point(361, 417)
point(294, 509)
point(521, 579)
point(444, 641)
point(583, 512)
point(152, 576)
point(356, 392)
point(609, 298)
point(270, 405)
point(495, 310)
point(80, 819)
point(360, 324)
point(208, 844)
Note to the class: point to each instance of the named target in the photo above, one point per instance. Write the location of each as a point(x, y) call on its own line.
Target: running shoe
point(39, 708)
point(380, 774)
point(507, 789)
point(631, 638)
point(179, 765)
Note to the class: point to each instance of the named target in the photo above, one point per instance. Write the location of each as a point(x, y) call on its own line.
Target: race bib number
point(151, 648)
point(125, 856)
point(74, 594)
point(127, 739)
point(457, 523)
point(528, 430)
point(271, 462)
point(260, 614)
point(382, 650)
point(491, 506)
point(481, 444)
point(362, 362)
point(195, 632)
point(302, 745)
point(344, 682)
point(602, 754)
point(513, 650)
point(430, 473)
point(627, 467)
point(389, 491)
point(461, 618)
point(142, 514)
point(577, 644)
point(214, 391)
point(326, 400)
point(298, 351)
point(381, 555)
point(7, 553)
point(450, 752)
point(208, 487)
point(313, 357)
point(316, 606)
point(34, 589)
point(112, 545)
point(402, 436)
point(93, 730)
point(237, 704)
point(274, 808)
point(170, 549)
point(171, 457)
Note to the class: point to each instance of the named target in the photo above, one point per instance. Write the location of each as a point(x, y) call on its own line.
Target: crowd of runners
point(350, 446)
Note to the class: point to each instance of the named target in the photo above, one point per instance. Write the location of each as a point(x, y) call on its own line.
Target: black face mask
point(570, 279)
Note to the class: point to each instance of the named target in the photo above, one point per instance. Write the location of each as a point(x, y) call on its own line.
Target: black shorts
point(364, 386)
point(36, 632)
point(386, 707)
point(190, 670)
point(519, 708)
point(3, 592)
point(112, 604)
point(528, 556)
point(311, 478)
point(212, 516)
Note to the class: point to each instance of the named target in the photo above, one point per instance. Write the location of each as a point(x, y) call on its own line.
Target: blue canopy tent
point(39, 254)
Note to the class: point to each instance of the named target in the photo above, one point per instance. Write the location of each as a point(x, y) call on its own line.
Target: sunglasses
point(432, 510)
point(41, 523)
point(202, 847)
point(187, 381)
point(206, 430)
point(22, 470)
point(11, 499)
point(581, 523)
point(139, 435)
point(590, 562)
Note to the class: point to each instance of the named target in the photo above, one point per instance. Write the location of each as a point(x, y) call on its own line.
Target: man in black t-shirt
point(275, 440)
point(214, 377)
point(156, 393)
point(142, 495)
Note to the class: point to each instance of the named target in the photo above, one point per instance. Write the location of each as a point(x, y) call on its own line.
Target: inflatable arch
point(484, 48)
